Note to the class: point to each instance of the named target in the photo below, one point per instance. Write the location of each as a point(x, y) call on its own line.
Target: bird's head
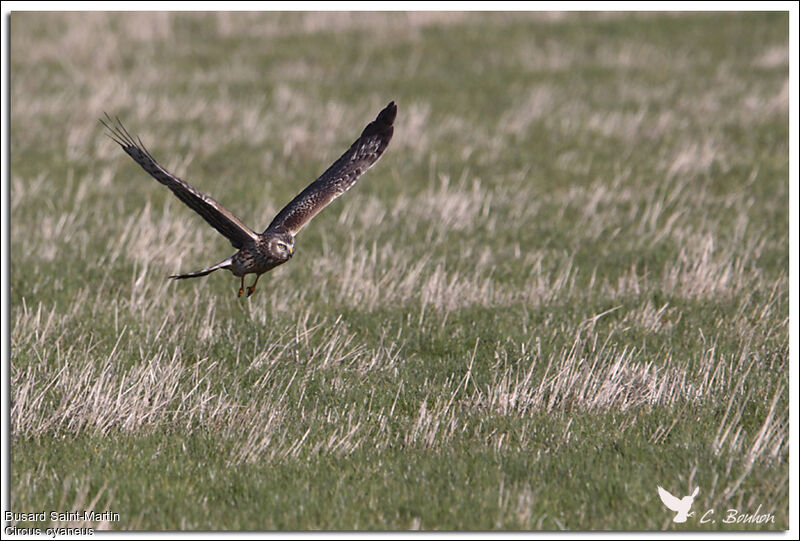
point(281, 246)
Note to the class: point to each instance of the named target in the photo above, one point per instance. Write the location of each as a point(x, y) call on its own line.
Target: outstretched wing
point(211, 211)
point(669, 500)
point(341, 176)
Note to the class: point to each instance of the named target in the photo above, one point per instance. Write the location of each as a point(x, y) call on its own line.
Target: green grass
point(564, 284)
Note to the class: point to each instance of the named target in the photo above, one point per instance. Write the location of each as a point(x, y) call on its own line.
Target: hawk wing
point(215, 214)
point(341, 176)
point(672, 503)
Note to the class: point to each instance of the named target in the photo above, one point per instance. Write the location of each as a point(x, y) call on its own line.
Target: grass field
point(565, 283)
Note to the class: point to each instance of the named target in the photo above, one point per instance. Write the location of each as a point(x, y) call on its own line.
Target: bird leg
point(241, 289)
point(252, 288)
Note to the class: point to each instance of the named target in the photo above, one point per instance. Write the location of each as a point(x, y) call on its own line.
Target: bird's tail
point(222, 265)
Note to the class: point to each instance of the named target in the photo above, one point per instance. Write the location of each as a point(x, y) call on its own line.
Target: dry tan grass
point(161, 242)
point(73, 388)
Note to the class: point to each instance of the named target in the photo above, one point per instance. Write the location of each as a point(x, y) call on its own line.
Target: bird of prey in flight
point(261, 252)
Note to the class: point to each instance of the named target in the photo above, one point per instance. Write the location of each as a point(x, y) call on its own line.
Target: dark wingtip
point(383, 122)
point(387, 116)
